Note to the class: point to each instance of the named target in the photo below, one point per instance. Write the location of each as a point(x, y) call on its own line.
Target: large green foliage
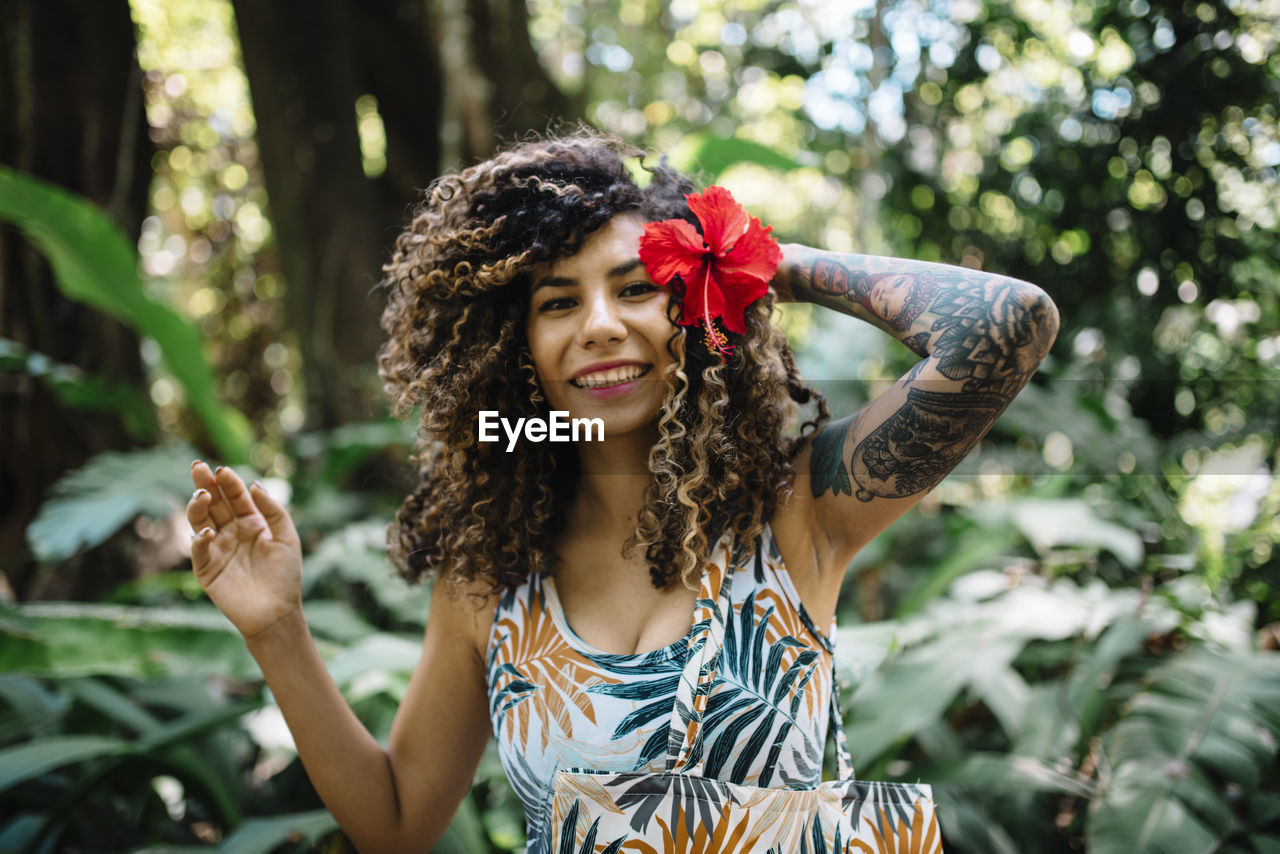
point(1011, 700)
point(93, 263)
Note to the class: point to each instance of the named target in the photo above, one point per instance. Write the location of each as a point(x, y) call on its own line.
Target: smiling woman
point(645, 622)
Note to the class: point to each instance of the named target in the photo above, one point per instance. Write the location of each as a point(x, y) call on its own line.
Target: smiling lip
point(612, 376)
point(600, 367)
point(614, 389)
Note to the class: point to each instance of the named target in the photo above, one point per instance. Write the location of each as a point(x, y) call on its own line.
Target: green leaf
point(380, 651)
point(1009, 773)
point(94, 263)
point(862, 648)
point(344, 448)
point(114, 705)
point(1006, 694)
point(358, 554)
point(88, 505)
point(465, 834)
point(73, 639)
point(1089, 680)
point(915, 690)
point(32, 709)
point(264, 835)
point(21, 831)
point(192, 725)
point(336, 620)
point(1050, 524)
point(969, 826)
point(976, 547)
point(77, 389)
point(1204, 716)
point(33, 758)
point(713, 155)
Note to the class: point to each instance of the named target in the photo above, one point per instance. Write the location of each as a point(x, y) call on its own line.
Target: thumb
point(278, 520)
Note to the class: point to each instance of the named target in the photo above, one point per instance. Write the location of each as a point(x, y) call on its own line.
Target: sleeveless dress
point(557, 703)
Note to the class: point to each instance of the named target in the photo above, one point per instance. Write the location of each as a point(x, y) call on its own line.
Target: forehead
point(616, 241)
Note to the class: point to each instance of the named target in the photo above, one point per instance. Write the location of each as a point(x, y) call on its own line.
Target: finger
point(198, 510)
point(203, 478)
point(278, 520)
point(238, 497)
point(201, 544)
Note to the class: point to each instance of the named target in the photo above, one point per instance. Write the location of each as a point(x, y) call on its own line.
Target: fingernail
point(259, 485)
point(199, 492)
point(195, 463)
point(218, 469)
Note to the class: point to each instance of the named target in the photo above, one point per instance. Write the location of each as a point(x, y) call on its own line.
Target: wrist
point(782, 283)
point(284, 634)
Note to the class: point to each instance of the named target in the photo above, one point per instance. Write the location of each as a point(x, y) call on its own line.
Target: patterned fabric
point(557, 703)
point(682, 811)
point(674, 813)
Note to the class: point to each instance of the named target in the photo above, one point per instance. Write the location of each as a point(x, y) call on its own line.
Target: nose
point(602, 323)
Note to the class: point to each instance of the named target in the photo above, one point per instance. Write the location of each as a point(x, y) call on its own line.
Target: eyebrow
point(564, 281)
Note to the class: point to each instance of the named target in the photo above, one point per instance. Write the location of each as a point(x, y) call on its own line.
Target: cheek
point(540, 348)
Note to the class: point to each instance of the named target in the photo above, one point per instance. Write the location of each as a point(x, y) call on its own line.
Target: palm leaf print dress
point(558, 703)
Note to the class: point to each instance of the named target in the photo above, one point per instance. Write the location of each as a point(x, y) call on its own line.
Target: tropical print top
point(557, 703)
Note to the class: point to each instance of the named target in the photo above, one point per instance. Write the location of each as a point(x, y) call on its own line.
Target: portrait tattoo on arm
point(833, 279)
point(990, 337)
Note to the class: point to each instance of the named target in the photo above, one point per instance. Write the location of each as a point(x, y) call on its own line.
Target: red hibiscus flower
point(724, 269)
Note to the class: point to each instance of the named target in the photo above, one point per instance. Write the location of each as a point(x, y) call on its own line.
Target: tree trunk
point(518, 96)
point(71, 86)
point(301, 63)
point(334, 226)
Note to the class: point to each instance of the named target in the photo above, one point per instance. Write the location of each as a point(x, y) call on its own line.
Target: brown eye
point(556, 304)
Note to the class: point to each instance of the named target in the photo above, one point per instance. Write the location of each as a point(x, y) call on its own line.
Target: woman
point(545, 280)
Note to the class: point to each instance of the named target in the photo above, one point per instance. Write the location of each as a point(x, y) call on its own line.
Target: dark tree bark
point(73, 114)
point(301, 65)
point(306, 66)
point(519, 95)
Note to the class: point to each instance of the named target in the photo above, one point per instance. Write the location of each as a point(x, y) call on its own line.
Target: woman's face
point(598, 331)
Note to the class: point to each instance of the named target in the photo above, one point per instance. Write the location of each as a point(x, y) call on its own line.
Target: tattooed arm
point(981, 336)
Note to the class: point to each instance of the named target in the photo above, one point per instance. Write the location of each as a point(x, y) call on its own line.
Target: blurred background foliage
point(1073, 636)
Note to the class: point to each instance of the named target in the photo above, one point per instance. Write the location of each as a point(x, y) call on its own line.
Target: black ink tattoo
point(991, 336)
point(984, 332)
point(826, 468)
point(831, 278)
point(920, 294)
point(915, 448)
point(918, 343)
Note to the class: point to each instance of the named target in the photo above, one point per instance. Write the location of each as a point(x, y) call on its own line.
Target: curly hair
point(457, 299)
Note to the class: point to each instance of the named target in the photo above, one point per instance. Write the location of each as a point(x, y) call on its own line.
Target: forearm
point(348, 768)
point(917, 302)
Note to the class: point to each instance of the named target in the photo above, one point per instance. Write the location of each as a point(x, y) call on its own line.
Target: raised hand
point(245, 552)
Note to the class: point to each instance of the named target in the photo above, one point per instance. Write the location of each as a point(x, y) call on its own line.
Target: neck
point(612, 480)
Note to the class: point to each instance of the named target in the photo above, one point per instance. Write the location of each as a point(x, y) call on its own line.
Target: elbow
point(1042, 319)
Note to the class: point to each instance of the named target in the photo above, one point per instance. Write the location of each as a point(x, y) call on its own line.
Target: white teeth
point(613, 376)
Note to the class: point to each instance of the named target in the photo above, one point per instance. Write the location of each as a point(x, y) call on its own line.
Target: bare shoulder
point(463, 610)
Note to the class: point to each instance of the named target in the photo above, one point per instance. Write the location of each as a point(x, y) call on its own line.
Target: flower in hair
point(724, 269)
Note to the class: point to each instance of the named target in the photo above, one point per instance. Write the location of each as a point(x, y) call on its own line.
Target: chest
point(609, 601)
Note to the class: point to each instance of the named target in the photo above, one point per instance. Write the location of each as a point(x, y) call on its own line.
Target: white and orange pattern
point(673, 813)
point(757, 718)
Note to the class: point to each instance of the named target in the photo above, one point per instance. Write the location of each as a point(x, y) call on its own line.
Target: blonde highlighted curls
point(457, 289)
